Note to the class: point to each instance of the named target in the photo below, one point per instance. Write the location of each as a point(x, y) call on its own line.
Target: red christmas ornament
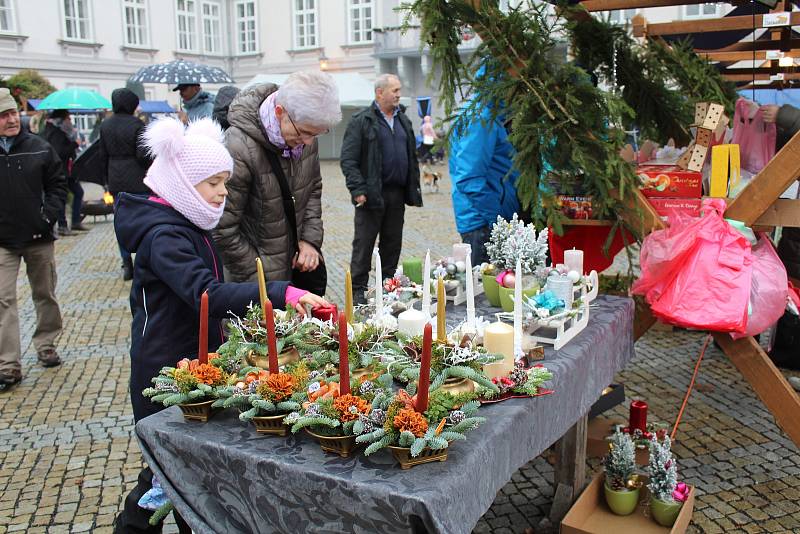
point(326, 313)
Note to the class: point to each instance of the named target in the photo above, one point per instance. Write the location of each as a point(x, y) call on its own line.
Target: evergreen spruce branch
point(249, 414)
point(287, 406)
point(450, 435)
point(264, 405)
point(406, 439)
point(437, 442)
point(373, 436)
point(177, 398)
point(418, 446)
point(320, 420)
point(382, 443)
point(347, 427)
point(467, 424)
point(470, 407)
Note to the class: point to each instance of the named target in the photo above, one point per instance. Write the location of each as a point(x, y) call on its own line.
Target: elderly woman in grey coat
point(274, 209)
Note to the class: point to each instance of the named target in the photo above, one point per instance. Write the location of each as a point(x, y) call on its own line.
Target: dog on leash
point(430, 179)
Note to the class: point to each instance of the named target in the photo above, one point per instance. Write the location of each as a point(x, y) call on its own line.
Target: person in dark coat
point(379, 162)
point(124, 157)
point(32, 193)
point(786, 346)
point(222, 102)
point(63, 137)
point(176, 262)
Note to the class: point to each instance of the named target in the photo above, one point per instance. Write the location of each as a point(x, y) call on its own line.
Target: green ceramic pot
point(491, 289)
point(621, 502)
point(665, 513)
point(507, 296)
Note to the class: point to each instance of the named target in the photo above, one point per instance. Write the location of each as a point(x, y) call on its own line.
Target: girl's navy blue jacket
point(175, 263)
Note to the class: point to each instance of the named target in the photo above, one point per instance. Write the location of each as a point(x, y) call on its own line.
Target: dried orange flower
point(280, 385)
point(404, 398)
point(411, 421)
point(207, 374)
point(350, 407)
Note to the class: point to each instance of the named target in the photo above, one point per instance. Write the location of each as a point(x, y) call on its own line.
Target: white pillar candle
point(573, 259)
point(426, 285)
point(461, 251)
point(411, 322)
point(378, 284)
point(498, 338)
point(518, 311)
point(470, 290)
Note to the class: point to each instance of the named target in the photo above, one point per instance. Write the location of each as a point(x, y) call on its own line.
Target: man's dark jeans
point(388, 222)
point(477, 240)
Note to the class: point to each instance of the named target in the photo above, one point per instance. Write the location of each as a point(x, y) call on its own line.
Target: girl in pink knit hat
point(176, 262)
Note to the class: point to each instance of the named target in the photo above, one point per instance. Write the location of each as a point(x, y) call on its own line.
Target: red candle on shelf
point(272, 345)
point(326, 313)
point(202, 350)
point(344, 358)
point(638, 416)
point(424, 382)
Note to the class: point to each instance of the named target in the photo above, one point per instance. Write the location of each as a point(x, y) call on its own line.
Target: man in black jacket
point(33, 190)
point(379, 162)
point(63, 137)
point(124, 158)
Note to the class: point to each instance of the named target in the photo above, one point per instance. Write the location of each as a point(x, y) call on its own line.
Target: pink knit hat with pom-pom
point(184, 157)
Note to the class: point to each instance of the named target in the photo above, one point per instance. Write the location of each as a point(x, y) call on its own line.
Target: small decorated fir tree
point(663, 470)
point(620, 462)
point(514, 240)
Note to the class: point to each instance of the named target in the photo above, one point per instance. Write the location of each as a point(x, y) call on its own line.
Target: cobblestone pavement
point(67, 455)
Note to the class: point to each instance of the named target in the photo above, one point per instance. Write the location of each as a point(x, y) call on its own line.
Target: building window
point(621, 16)
point(186, 14)
point(360, 19)
point(77, 21)
point(710, 9)
point(212, 23)
point(7, 21)
point(305, 23)
point(246, 41)
point(135, 12)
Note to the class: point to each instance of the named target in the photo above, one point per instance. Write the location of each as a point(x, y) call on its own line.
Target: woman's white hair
point(311, 98)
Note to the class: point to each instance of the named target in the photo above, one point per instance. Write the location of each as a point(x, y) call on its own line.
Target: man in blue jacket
point(197, 103)
point(480, 160)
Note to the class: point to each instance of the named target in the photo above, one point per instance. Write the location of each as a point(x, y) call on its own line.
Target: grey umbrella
point(180, 71)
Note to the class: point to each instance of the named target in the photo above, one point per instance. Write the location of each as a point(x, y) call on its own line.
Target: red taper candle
point(344, 357)
point(425, 369)
point(272, 344)
point(202, 349)
point(638, 416)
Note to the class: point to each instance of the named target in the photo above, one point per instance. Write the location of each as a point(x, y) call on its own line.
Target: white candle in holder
point(378, 284)
point(518, 311)
point(426, 285)
point(470, 291)
point(573, 259)
point(461, 251)
point(411, 322)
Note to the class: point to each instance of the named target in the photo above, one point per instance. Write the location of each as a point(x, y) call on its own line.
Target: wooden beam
point(761, 70)
point(767, 381)
point(611, 5)
point(760, 44)
point(749, 77)
point(744, 22)
point(569, 476)
point(743, 55)
point(768, 185)
point(640, 215)
point(643, 318)
point(783, 212)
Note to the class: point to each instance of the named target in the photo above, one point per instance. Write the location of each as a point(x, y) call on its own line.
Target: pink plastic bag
point(756, 138)
point(769, 289)
point(697, 273)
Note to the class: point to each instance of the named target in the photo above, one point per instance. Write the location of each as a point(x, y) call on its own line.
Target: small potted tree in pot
point(666, 495)
point(621, 486)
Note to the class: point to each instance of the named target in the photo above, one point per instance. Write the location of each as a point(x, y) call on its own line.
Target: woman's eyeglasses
point(303, 134)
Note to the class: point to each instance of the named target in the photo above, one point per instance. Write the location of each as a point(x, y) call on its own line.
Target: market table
point(223, 477)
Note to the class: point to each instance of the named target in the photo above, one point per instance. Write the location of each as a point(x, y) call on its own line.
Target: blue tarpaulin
point(155, 106)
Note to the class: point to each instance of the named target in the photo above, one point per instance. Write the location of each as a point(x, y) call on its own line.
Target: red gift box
point(665, 206)
point(669, 181)
point(326, 313)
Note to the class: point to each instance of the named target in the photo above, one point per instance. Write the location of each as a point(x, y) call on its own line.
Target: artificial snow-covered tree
point(620, 462)
point(663, 469)
point(514, 240)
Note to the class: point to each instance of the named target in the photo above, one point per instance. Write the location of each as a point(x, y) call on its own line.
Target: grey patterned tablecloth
point(222, 477)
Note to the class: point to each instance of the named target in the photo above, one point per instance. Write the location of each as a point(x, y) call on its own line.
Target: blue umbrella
point(180, 71)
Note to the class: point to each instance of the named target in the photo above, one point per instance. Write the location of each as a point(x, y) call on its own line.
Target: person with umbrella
point(123, 156)
point(33, 190)
point(63, 137)
point(197, 104)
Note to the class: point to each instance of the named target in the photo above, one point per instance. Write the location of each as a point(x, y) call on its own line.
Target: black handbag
point(315, 281)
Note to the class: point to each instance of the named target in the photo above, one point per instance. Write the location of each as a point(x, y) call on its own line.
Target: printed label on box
point(670, 182)
point(575, 207)
point(667, 206)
